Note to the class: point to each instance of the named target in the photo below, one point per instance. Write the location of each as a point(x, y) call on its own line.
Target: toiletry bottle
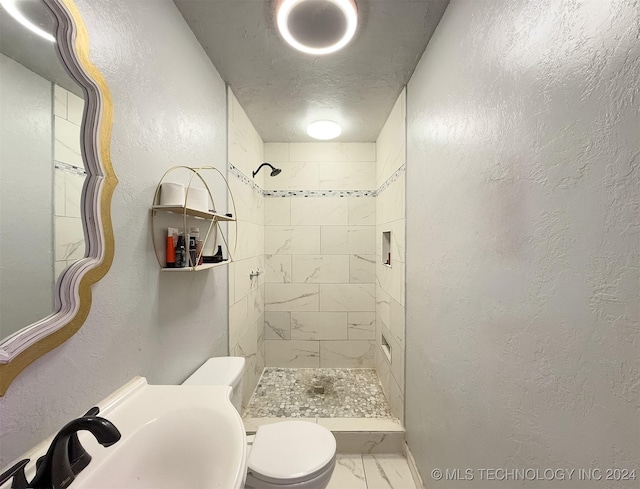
point(181, 253)
point(194, 235)
point(196, 232)
point(217, 258)
point(170, 253)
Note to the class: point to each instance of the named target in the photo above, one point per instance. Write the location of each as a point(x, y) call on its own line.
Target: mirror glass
point(41, 169)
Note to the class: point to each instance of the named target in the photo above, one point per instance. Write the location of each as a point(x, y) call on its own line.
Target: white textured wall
point(26, 177)
point(390, 285)
point(246, 294)
point(169, 108)
point(523, 248)
point(320, 256)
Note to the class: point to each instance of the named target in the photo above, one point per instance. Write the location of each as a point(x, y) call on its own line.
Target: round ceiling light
point(317, 26)
point(324, 130)
point(12, 9)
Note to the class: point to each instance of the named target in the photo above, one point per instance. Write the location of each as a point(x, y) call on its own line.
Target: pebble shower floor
point(318, 392)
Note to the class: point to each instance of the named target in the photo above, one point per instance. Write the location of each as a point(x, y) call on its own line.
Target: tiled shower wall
point(246, 294)
point(69, 178)
point(390, 279)
point(320, 255)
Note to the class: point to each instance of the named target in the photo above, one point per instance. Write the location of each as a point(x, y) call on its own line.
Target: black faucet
point(58, 468)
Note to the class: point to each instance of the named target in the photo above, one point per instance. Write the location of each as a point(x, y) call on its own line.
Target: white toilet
point(287, 454)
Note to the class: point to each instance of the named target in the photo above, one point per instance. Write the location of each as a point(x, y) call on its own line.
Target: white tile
point(291, 297)
point(358, 175)
point(369, 442)
point(319, 325)
point(361, 424)
point(340, 240)
point(318, 152)
point(289, 240)
point(392, 202)
point(319, 210)
point(73, 194)
point(397, 321)
point(347, 354)
point(66, 146)
point(319, 269)
point(396, 399)
point(59, 192)
point(277, 325)
point(276, 152)
point(238, 322)
point(59, 101)
point(277, 268)
point(362, 211)
point(387, 472)
point(383, 306)
point(75, 107)
point(59, 267)
point(277, 211)
point(362, 269)
point(348, 473)
point(391, 279)
point(361, 325)
point(361, 152)
point(292, 354)
point(347, 297)
point(69, 238)
point(294, 176)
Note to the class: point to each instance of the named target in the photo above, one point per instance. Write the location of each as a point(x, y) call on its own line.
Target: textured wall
point(246, 294)
point(170, 108)
point(26, 237)
point(522, 240)
point(390, 285)
point(320, 255)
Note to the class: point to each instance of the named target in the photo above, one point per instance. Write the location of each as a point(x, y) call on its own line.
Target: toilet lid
point(291, 450)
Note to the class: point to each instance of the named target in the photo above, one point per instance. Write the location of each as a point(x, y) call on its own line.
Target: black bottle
point(217, 258)
point(181, 253)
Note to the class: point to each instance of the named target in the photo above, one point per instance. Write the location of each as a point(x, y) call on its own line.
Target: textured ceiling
point(283, 90)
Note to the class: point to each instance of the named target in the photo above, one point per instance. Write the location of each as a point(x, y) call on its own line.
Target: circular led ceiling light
point(317, 26)
point(324, 130)
point(11, 7)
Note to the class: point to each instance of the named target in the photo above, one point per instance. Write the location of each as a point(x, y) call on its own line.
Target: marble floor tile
point(348, 474)
point(387, 472)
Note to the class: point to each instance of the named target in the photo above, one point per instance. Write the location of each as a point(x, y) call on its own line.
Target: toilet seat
point(291, 452)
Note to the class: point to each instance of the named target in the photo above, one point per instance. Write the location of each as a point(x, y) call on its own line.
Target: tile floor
point(371, 472)
point(318, 392)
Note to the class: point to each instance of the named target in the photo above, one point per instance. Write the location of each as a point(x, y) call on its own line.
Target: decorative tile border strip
point(245, 179)
point(316, 193)
point(68, 168)
point(391, 179)
point(319, 193)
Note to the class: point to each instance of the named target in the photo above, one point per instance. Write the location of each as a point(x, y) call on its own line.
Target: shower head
point(274, 171)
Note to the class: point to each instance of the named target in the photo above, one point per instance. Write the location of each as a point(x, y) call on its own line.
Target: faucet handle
point(78, 456)
point(17, 473)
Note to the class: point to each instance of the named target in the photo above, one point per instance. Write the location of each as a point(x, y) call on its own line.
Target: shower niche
point(386, 248)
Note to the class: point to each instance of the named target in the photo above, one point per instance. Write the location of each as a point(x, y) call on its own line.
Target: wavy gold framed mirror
point(71, 292)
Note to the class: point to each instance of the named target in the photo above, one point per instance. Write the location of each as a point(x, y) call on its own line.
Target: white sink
point(172, 437)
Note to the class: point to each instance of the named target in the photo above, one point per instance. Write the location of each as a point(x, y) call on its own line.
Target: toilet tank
point(221, 371)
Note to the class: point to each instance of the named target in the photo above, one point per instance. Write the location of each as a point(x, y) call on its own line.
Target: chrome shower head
point(274, 171)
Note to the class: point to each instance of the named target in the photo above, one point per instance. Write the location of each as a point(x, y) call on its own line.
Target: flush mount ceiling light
point(317, 26)
point(324, 130)
point(12, 9)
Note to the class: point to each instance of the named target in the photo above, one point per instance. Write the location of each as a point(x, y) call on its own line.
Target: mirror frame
point(73, 288)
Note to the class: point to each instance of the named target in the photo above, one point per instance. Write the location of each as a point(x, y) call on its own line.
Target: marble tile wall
point(390, 279)
point(69, 177)
point(320, 266)
point(246, 294)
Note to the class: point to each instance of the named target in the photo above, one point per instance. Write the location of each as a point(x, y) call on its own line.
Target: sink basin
point(172, 437)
